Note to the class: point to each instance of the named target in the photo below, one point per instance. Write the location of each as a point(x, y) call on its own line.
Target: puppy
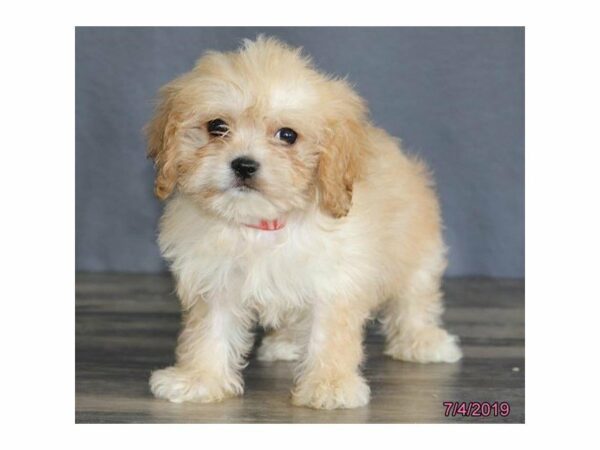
point(288, 208)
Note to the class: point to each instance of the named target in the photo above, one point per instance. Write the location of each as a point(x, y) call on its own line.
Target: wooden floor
point(126, 326)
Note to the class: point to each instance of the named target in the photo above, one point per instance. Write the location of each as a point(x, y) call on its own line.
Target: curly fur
point(361, 236)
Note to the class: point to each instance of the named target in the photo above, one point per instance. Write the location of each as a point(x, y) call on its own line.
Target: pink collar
point(267, 225)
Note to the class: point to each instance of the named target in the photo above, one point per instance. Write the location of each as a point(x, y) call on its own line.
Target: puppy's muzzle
point(244, 167)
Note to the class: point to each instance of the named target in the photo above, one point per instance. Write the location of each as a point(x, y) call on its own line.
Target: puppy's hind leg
point(285, 343)
point(412, 318)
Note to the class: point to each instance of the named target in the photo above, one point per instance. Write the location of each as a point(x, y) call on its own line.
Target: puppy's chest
point(269, 271)
point(262, 269)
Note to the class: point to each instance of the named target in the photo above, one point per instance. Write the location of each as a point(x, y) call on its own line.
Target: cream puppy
point(288, 208)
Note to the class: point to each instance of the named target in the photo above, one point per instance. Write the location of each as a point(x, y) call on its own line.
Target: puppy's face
point(257, 134)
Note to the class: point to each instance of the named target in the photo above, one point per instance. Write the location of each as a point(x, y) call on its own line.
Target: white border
point(38, 221)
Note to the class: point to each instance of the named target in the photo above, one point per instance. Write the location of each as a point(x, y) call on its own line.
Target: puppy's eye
point(287, 135)
point(217, 127)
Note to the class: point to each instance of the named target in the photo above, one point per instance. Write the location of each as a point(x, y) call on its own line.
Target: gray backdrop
point(454, 95)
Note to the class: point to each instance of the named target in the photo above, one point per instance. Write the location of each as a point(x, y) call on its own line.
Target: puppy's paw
point(348, 391)
point(431, 344)
point(274, 348)
point(179, 385)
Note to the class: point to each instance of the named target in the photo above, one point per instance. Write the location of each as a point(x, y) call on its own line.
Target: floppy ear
point(161, 133)
point(341, 156)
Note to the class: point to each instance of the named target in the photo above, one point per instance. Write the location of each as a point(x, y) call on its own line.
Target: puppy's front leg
point(210, 354)
point(329, 377)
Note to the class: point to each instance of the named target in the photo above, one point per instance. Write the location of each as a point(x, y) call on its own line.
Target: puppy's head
point(257, 134)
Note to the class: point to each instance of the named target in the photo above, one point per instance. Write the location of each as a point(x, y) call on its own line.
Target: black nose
point(244, 167)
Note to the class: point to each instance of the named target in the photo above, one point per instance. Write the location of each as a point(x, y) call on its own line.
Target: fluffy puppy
point(287, 207)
